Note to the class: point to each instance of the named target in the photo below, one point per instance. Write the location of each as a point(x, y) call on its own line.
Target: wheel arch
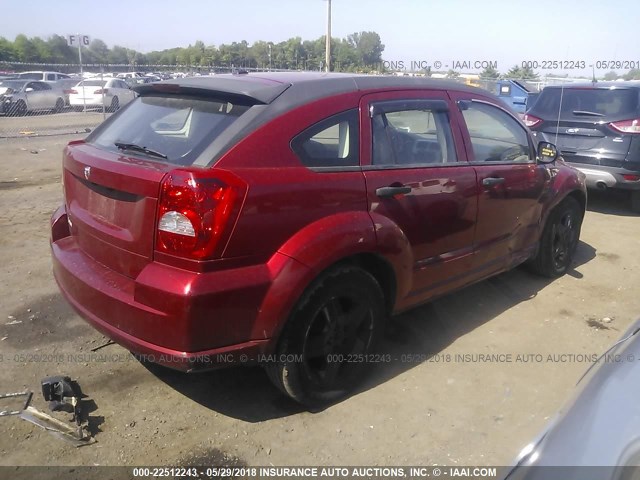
point(580, 197)
point(345, 239)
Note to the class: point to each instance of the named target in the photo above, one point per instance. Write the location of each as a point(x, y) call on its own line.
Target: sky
point(424, 31)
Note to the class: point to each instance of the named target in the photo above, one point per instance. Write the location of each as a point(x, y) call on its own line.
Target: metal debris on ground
point(55, 426)
point(16, 395)
point(106, 344)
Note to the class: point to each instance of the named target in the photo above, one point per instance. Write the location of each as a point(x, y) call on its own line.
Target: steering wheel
point(510, 154)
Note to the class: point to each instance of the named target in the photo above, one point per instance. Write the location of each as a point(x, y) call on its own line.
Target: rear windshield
point(92, 83)
point(31, 76)
point(595, 102)
point(179, 128)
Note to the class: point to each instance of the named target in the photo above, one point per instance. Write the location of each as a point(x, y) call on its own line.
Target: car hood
point(599, 426)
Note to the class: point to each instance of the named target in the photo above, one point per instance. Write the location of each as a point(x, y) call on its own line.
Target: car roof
point(598, 85)
point(43, 71)
point(265, 87)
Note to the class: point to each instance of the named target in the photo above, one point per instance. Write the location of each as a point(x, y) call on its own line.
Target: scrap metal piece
point(55, 426)
point(28, 395)
point(106, 344)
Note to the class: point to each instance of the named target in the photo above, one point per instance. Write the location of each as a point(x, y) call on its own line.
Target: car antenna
point(559, 110)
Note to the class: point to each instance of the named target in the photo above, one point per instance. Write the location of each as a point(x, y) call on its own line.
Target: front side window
point(333, 142)
point(495, 135)
point(411, 137)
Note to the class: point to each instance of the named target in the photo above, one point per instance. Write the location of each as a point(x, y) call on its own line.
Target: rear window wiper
point(138, 148)
point(587, 113)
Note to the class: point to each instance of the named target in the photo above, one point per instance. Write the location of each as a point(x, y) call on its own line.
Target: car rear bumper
point(183, 320)
point(89, 101)
point(603, 177)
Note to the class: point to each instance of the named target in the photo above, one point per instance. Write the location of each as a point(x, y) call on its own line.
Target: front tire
point(635, 201)
point(19, 109)
point(325, 345)
point(559, 240)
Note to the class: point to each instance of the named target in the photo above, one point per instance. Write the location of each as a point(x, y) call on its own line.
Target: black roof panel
point(265, 87)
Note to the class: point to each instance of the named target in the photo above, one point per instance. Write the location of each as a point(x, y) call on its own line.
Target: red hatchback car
point(281, 218)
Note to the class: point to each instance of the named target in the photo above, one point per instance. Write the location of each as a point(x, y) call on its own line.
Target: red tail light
point(100, 91)
point(195, 212)
point(631, 178)
point(627, 126)
point(69, 92)
point(531, 121)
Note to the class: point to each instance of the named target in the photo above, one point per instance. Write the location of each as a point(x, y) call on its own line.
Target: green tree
point(61, 52)
point(98, 51)
point(43, 52)
point(611, 76)
point(490, 73)
point(7, 52)
point(344, 57)
point(515, 72)
point(118, 56)
point(25, 49)
point(529, 74)
point(633, 74)
point(452, 74)
point(368, 46)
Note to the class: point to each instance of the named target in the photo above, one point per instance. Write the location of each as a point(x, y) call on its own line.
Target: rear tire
point(115, 104)
point(59, 106)
point(635, 201)
point(559, 240)
point(324, 347)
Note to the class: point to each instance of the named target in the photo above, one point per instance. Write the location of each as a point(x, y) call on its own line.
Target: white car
point(112, 93)
point(128, 75)
point(43, 76)
point(17, 97)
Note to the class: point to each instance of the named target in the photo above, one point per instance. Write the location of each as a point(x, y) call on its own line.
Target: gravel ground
point(456, 408)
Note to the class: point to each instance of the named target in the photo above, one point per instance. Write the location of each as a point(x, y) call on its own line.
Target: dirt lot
point(442, 411)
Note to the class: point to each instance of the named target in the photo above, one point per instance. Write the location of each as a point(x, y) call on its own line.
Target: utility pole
point(327, 59)
point(84, 100)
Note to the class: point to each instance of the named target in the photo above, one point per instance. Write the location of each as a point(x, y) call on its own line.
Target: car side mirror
point(28, 89)
point(547, 152)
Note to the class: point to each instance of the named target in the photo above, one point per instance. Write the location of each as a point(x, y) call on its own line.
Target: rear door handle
point(492, 181)
point(392, 190)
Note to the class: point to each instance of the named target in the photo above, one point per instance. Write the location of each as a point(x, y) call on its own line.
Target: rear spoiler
point(242, 90)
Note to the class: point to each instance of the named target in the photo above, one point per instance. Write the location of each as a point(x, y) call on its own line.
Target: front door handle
point(492, 181)
point(392, 191)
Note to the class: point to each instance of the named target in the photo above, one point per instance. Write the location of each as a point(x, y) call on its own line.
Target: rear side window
point(586, 102)
point(411, 133)
point(179, 128)
point(333, 142)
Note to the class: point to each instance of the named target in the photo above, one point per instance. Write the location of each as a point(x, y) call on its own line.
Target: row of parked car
point(53, 91)
point(595, 126)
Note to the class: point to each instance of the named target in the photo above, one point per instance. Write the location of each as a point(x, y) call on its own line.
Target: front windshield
point(15, 85)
